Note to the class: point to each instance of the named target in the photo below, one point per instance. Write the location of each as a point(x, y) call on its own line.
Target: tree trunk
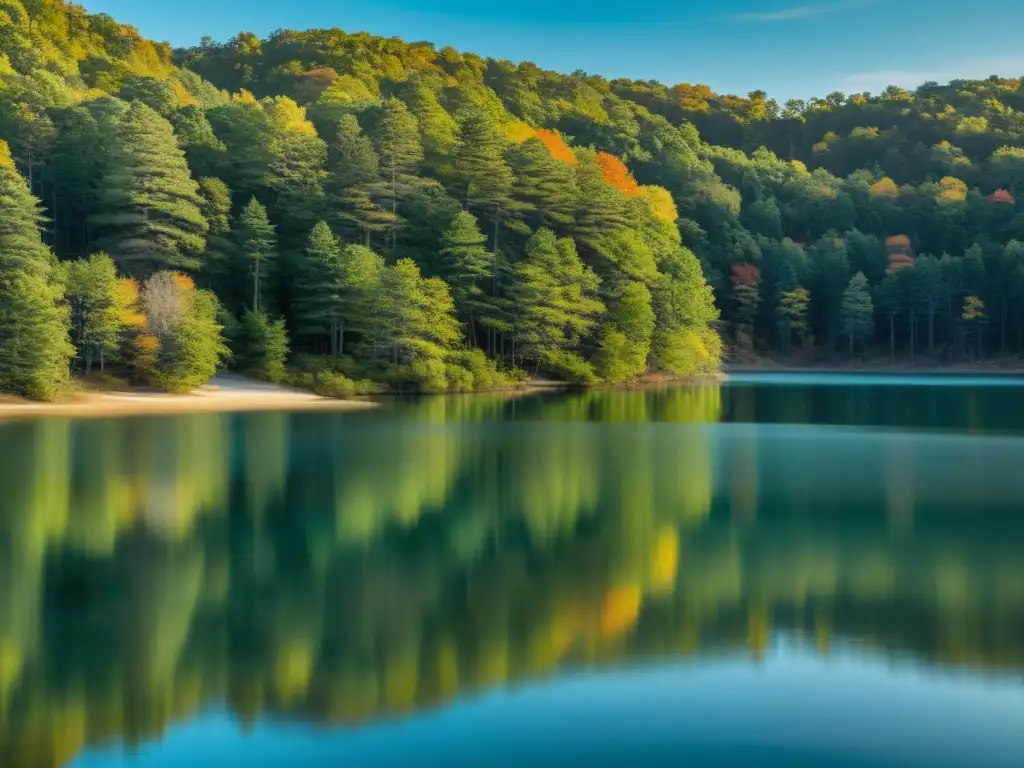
point(256, 286)
point(913, 335)
point(931, 329)
point(892, 335)
point(1002, 341)
point(394, 210)
point(851, 344)
point(341, 337)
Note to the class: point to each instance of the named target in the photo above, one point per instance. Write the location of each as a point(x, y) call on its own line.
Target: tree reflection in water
point(344, 568)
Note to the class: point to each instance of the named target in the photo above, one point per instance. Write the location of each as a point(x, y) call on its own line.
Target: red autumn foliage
point(745, 274)
point(898, 244)
point(615, 173)
point(556, 146)
point(898, 261)
point(1002, 197)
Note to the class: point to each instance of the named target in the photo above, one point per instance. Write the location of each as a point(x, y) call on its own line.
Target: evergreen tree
point(601, 209)
point(426, 218)
point(204, 151)
point(261, 347)
point(438, 131)
point(217, 270)
point(544, 186)
point(418, 326)
point(337, 288)
point(34, 347)
point(396, 139)
point(148, 214)
point(353, 178)
point(553, 296)
point(481, 170)
point(98, 310)
point(466, 267)
point(297, 169)
point(857, 311)
point(255, 250)
point(627, 335)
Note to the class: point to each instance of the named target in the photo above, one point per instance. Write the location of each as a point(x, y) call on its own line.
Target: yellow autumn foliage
point(517, 132)
point(620, 610)
point(885, 187)
point(665, 561)
point(660, 201)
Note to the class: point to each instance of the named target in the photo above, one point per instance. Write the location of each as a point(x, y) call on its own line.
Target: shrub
point(261, 347)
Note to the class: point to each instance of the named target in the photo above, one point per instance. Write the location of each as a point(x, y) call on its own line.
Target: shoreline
point(997, 367)
point(224, 394)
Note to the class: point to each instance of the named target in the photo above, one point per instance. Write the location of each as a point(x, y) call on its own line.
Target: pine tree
point(262, 347)
point(34, 347)
point(601, 209)
point(467, 266)
point(544, 186)
point(553, 296)
point(218, 267)
point(97, 307)
point(337, 288)
point(297, 169)
point(438, 131)
point(857, 311)
point(417, 316)
point(255, 250)
point(353, 176)
point(148, 215)
point(397, 142)
point(481, 170)
point(627, 334)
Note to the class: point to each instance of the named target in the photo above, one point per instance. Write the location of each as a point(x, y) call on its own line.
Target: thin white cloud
point(806, 11)
point(971, 69)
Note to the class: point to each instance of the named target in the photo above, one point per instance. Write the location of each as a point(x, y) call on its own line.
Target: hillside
point(431, 219)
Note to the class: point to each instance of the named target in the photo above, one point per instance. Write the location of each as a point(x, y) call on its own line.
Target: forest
point(360, 214)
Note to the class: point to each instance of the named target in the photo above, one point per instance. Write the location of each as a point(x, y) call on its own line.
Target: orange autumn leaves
point(613, 171)
point(556, 146)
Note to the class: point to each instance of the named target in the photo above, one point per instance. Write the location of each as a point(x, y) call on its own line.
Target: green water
point(774, 571)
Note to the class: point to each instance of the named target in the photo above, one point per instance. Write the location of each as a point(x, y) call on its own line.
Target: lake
point(775, 570)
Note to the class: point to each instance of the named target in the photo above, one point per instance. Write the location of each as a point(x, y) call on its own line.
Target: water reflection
point(345, 568)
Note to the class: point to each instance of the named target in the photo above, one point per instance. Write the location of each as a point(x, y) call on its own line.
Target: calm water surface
point(820, 571)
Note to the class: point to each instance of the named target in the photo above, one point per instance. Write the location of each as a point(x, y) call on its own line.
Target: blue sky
point(790, 48)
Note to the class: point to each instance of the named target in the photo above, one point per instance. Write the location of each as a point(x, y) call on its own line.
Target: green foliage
point(34, 346)
point(185, 323)
point(466, 265)
point(554, 301)
point(260, 177)
point(261, 347)
point(255, 245)
point(628, 334)
point(857, 310)
point(97, 306)
point(338, 290)
point(148, 214)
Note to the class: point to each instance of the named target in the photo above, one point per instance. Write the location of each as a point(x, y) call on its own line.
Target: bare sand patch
point(225, 393)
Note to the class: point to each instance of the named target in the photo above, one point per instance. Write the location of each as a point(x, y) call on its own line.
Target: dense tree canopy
point(160, 159)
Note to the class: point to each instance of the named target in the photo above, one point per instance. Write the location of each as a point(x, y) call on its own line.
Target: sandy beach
point(225, 393)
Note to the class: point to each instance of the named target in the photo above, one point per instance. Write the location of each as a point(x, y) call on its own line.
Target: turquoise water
point(771, 571)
